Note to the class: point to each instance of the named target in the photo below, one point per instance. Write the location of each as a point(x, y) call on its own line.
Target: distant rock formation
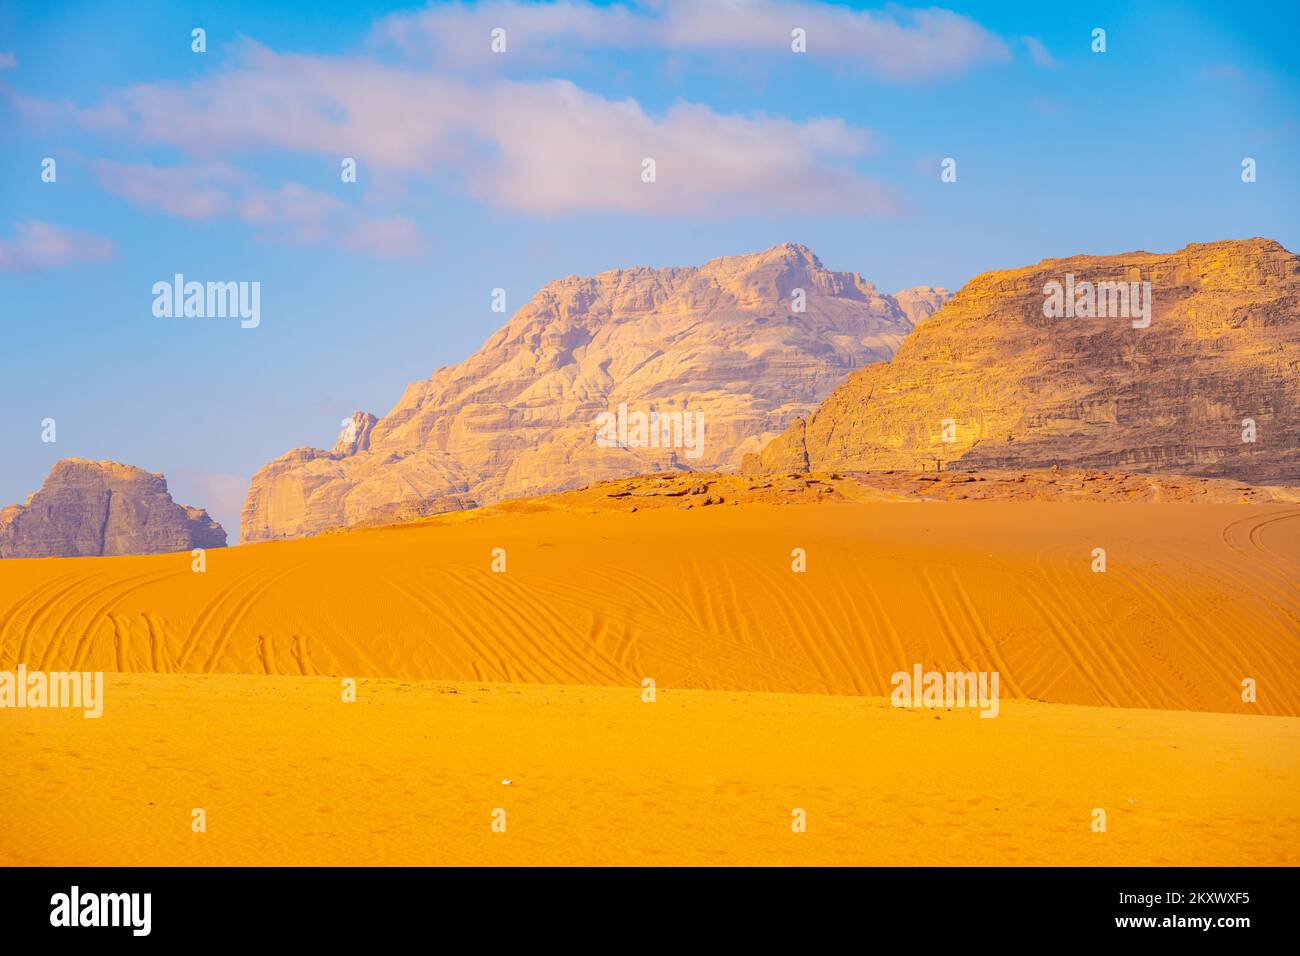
point(1211, 387)
point(91, 508)
point(355, 435)
point(921, 302)
point(748, 342)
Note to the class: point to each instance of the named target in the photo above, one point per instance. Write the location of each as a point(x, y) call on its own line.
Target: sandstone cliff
point(733, 343)
point(88, 508)
point(1218, 364)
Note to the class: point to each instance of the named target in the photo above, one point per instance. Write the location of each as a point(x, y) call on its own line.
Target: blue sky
point(478, 170)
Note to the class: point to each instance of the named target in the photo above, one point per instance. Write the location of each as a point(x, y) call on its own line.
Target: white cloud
point(1039, 53)
point(43, 245)
point(198, 191)
point(897, 44)
point(289, 212)
point(292, 212)
point(541, 147)
point(556, 148)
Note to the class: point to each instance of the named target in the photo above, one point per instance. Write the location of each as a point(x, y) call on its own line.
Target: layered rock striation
point(91, 508)
point(1033, 368)
point(734, 349)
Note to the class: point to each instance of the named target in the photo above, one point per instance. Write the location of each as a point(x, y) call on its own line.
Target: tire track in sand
point(544, 667)
point(298, 650)
point(237, 614)
point(833, 639)
point(1281, 584)
point(563, 633)
point(265, 654)
point(940, 609)
point(158, 655)
point(43, 610)
point(983, 639)
point(205, 617)
point(120, 635)
point(116, 590)
point(1070, 645)
point(882, 615)
point(1212, 661)
point(1112, 654)
point(88, 635)
point(433, 608)
point(678, 637)
point(17, 608)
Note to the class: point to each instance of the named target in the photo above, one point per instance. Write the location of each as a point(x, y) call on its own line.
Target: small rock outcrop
point(921, 302)
point(95, 508)
point(355, 435)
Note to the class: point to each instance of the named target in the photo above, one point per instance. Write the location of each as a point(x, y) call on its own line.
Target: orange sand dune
point(1195, 598)
point(411, 772)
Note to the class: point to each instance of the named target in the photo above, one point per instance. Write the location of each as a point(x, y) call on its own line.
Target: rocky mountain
point(561, 395)
point(921, 302)
point(89, 508)
point(1062, 364)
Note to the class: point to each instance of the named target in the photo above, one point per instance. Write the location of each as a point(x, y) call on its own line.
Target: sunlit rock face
point(743, 344)
point(1000, 377)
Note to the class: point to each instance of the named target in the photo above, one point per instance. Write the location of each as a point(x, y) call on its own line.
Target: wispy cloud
point(43, 245)
point(1040, 54)
point(289, 212)
point(220, 494)
point(542, 147)
point(896, 44)
point(536, 144)
point(294, 213)
point(1233, 75)
point(8, 61)
point(197, 191)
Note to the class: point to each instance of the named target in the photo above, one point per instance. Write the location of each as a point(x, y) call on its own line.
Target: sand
point(287, 773)
point(1194, 599)
point(1120, 690)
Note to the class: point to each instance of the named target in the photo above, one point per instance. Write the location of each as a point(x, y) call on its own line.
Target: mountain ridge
point(1210, 388)
point(746, 341)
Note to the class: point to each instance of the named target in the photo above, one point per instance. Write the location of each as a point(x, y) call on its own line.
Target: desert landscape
point(531, 460)
point(676, 546)
point(521, 690)
point(414, 772)
point(472, 635)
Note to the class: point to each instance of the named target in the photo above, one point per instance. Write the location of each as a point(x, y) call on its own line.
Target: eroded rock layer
point(741, 344)
point(1209, 387)
point(91, 508)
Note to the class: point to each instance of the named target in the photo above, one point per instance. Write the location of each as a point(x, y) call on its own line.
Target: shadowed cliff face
point(742, 344)
point(91, 508)
point(1219, 363)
